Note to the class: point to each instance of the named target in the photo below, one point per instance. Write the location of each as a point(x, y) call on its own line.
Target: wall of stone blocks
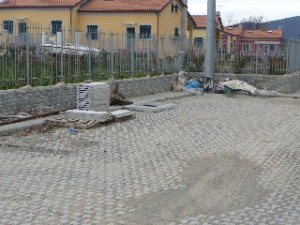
point(63, 97)
point(38, 99)
point(145, 86)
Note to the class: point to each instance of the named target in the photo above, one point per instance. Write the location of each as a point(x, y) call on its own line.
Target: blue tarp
point(192, 84)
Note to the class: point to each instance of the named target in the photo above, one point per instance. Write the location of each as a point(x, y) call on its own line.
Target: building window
point(8, 25)
point(56, 26)
point(145, 31)
point(176, 32)
point(92, 30)
point(246, 47)
point(273, 47)
point(22, 27)
point(175, 7)
point(198, 41)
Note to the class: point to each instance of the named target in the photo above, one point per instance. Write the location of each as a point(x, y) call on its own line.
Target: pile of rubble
point(93, 100)
point(231, 86)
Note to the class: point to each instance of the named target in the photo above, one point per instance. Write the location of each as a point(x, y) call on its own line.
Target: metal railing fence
point(267, 57)
point(41, 57)
point(293, 60)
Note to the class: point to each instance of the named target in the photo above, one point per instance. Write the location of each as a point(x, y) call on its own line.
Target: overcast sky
point(239, 9)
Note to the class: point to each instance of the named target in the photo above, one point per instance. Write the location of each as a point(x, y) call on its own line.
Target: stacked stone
point(145, 86)
point(93, 96)
point(37, 99)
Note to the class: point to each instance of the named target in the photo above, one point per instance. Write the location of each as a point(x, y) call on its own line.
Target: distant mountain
point(290, 26)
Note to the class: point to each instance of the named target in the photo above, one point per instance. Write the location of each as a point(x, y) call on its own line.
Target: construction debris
point(88, 119)
point(71, 123)
point(178, 85)
point(72, 130)
point(237, 85)
point(190, 85)
point(119, 99)
point(193, 84)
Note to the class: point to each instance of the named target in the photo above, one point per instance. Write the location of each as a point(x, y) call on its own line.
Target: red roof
point(124, 5)
point(200, 20)
point(237, 31)
point(265, 33)
point(262, 33)
point(38, 3)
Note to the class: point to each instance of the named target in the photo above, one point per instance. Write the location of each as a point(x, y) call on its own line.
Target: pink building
point(250, 42)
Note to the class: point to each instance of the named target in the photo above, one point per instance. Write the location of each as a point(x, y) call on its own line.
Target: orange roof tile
point(200, 20)
point(38, 3)
point(124, 5)
point(262, 33)
point(234, 30)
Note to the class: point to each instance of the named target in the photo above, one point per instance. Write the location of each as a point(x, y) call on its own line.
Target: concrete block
point(88, 115)
point(93, 96)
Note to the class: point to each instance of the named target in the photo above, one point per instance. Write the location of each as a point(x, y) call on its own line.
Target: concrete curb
point(10, 128)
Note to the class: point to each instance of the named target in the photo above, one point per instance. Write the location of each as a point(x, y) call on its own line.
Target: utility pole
point(210, 48)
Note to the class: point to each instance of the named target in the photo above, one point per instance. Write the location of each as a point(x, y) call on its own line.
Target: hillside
point(290, 26)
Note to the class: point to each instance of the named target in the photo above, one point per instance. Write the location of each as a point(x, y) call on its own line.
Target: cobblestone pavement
point(213, 159)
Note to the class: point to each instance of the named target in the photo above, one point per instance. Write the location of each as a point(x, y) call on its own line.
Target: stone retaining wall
point(63, 97)
point(142, 86)
point(38, 99)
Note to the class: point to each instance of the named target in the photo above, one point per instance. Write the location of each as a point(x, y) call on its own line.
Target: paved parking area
point(213, 159)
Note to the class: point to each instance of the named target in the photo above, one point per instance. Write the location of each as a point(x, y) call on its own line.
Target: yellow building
point(199, 31)
point(132, 19)
point(19, 17)
point(79, 19)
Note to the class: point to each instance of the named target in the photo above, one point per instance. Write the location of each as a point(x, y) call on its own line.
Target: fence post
point(222, 57)
point(288, 57)
point(256, 60)
point(131, 56)
point(155, 59)
point(163, 55)
point(111, 56)
point(27, 59)
point(148, 56)
point(62, 56)
point(89, 55)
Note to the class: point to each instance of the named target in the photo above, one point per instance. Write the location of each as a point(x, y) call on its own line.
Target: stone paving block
point(240, 154)
point(150, 106)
